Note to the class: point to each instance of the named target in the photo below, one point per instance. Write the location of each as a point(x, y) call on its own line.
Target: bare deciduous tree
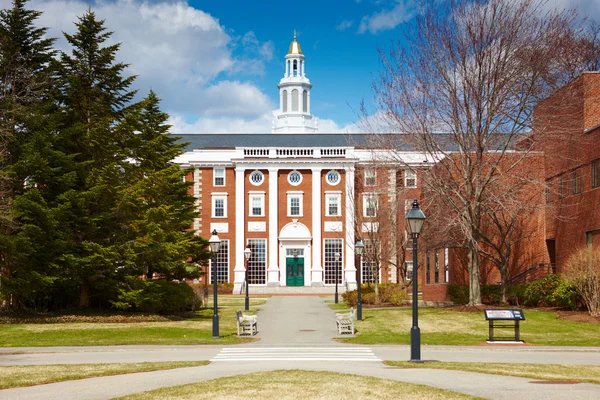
point(461, 87)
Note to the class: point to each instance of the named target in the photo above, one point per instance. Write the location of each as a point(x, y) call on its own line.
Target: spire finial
point(294, 35)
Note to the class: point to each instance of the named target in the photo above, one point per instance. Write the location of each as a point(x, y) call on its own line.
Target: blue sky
point(216, 63)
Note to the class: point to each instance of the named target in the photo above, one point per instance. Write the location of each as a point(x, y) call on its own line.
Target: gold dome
point(295, 46)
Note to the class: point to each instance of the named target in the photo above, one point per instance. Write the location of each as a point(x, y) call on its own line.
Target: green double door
point(294, 267)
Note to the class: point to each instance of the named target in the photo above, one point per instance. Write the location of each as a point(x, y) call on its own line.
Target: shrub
point(551, 290)
point(392, 294)
point(515, 295)
point(491, 294)
point(458, 293)
point(582, 270)
point(158, 296)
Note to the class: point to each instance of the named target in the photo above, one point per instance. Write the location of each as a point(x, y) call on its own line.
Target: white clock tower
point(294, 96)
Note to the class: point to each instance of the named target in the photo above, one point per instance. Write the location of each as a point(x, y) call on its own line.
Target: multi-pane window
point(446, 271)
point(437, 268)
point(222, 264)
point(257, 178)
point(219, 206)
point(257, 264)
point(561, 186)
point(369, 265)
point(428, 269)
point(332, 204)
point(294, 204)
point(410, 178)
point(333, 247)
point(575, 182)
point(369, 205)
point(257, 204)
point(333, 177)
point(409, 270)
point(596, 173)
point(370, 177)
point(294, 178)
point(219, 176)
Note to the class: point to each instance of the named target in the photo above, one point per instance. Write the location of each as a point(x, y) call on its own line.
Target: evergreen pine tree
point(25, 87)
point(95, 100)
point(159, 204)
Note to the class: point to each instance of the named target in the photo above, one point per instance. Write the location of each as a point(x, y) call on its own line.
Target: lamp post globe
point(338, 257)
point(247, 255)
point(358, 249)
point(414, 223)
point(214, 243)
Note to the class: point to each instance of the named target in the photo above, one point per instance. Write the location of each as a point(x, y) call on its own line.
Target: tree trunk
point(503, 286)
point(474, 283)
point(84, 297)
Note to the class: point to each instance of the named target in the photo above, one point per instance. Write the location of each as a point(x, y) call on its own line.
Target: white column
point(350, 270)
point(303, 73)
point(240, 229)
point(273, 269)
point(289, 94)
point(300, 99)
point(287, 68)
point(317, 209)
point(280, 100)
point(308, 102)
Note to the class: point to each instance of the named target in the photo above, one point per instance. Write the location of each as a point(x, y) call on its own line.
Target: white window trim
point(291, 194)
point(216, 196)
point(215, 176)
point(406, 178)
point(367, 196)
point(337, 194)
point(295, 183)
point(254, 183)
point(374, 172)
point(338, 175)
point(256, 195)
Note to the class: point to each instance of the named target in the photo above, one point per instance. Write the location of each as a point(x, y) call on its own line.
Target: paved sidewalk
point(301, 323)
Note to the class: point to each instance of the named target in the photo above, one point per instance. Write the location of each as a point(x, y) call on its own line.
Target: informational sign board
point(504, 315)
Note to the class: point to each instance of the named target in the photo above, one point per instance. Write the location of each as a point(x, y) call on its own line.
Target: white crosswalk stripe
point(296, 354)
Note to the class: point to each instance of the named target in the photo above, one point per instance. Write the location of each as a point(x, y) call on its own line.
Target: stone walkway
point(295, 324)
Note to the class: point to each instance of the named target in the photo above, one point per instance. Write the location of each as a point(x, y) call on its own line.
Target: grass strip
point(555, 372)
point(29, 375)
point(292, 384)
point(197, 330)
point(445, 326)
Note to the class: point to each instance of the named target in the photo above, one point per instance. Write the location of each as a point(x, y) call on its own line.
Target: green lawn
point(197, 330)
point(28, 375)
point(443, 326)
point(294, 384)
point(579, 373)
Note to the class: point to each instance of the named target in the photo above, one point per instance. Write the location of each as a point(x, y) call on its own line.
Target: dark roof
point(231, 140)
point(359, 140)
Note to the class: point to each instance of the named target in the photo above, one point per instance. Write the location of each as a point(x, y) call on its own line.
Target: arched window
point(284, 103)
point(295, 68)
point(305, 101)
point(295, 100)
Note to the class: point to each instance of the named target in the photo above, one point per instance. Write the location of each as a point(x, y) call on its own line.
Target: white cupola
point(294, 96)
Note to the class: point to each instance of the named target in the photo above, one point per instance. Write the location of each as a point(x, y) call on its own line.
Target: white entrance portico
point(294, 240)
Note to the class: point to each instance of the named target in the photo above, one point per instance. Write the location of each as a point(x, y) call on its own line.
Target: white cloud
point(182, 53)
point(344, 25)
point(403, 11)
point(585, 8)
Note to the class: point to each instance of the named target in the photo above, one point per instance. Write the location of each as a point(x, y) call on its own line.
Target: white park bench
point(246, 324)
point(345, 322)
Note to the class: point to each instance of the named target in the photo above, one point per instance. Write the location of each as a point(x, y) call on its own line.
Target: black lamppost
point(337, 264)
point(358, 248)
point(247, 255)
point(414, 222)
point(215, 243)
